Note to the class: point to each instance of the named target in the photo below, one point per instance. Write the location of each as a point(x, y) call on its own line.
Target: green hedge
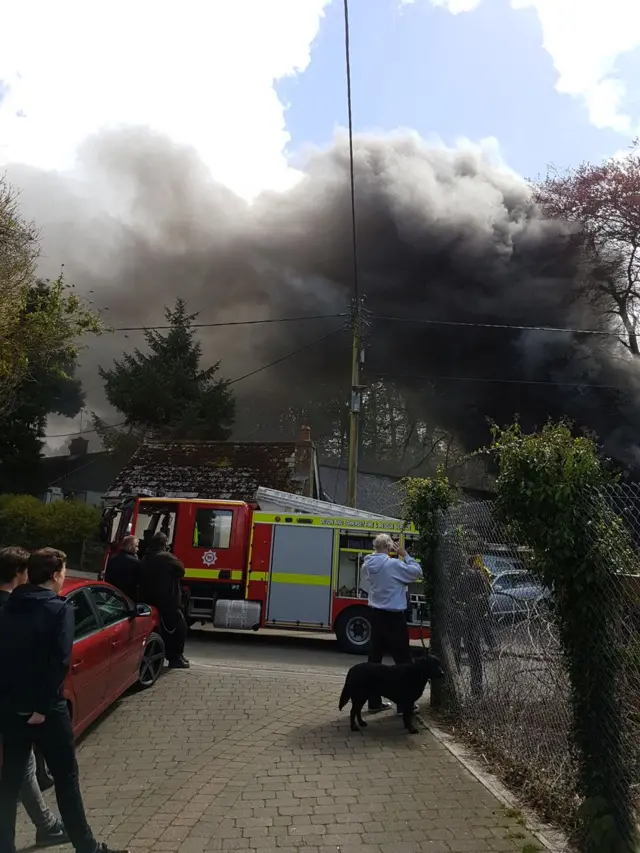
point(26, 521)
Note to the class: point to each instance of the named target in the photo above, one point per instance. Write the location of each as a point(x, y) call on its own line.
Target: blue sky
point(477, 75)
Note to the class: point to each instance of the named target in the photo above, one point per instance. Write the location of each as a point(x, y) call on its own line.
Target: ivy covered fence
point(534, 602)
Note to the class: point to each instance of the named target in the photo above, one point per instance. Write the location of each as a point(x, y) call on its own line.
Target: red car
point(117, 645)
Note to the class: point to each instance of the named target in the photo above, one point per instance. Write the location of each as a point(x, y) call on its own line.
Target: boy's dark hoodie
point(36, 639)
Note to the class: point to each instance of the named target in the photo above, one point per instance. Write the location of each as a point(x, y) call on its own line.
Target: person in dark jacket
point(161, 575)
point(470, 603)
point(36, 640)
point(49, 830)
point(123, 569)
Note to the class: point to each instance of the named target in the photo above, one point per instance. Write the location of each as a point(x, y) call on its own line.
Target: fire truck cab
point(290, 563)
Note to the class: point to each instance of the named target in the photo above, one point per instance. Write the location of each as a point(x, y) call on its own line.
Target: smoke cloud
point(443, 234)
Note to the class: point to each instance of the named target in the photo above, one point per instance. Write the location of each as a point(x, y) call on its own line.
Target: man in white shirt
point(388, 580)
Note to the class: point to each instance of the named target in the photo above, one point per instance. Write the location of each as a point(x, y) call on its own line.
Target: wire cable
point(230, 382)
point(474, 325)
point(230, 323)
point(492, 379)
point(285, 357)
point(352, 180)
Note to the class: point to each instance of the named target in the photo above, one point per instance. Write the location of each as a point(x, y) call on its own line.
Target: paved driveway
point(241, 755)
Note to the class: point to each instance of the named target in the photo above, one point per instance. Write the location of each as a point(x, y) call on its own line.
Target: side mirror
point(142, 610)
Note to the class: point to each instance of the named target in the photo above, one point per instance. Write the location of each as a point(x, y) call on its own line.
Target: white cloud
point(203, 75)
point(585, 41)
point(453, 6)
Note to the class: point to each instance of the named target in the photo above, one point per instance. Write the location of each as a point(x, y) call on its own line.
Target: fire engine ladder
point(273, 499)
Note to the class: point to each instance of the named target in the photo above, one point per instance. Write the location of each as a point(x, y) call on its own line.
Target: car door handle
point(115, 644)
point(76, 665)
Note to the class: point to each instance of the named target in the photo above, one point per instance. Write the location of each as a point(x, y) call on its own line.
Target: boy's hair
point(44, 564)
point(13, 561)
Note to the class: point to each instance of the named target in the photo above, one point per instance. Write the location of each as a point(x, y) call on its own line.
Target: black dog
point(403, 684)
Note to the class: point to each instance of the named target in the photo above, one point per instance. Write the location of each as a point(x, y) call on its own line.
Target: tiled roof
point(211, 469)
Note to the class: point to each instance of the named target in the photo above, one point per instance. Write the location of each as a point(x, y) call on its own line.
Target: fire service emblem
point(209, 558)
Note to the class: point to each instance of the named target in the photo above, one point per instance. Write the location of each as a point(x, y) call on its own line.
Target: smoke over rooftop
point(443, 234)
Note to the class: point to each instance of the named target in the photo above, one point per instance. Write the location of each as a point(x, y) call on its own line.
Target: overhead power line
point(352, 180)
point(357, 350)
point(419, 320)
point(478, 325)
point(285, 357)
point(230, 382)
point(490, 379)
point(231, 323)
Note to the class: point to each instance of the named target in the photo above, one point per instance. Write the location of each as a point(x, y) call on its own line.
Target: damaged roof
point(211, 469)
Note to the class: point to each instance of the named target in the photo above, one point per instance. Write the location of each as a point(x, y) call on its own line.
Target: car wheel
point(45, 779)
point(152, 661)
point(353, 630)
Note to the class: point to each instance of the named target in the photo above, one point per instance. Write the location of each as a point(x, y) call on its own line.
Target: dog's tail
point(345, 696)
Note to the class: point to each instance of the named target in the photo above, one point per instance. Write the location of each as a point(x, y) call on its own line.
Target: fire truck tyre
point(152, 662)
point(353, 630)
point(45, 779)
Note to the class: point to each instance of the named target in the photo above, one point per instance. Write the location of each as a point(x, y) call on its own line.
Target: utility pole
point(357, 311)
point(357, 362)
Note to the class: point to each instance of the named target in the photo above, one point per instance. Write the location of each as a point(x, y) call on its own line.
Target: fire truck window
point(156, 518)
point(212, 528)
point(357, 541)
point(348, 574)
point(113, 531)
point(352, 582)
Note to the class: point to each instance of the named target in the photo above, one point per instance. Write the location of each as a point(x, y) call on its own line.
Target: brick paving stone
point(213, 760)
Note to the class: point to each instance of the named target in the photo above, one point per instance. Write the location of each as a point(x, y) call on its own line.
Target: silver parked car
point(515, 595)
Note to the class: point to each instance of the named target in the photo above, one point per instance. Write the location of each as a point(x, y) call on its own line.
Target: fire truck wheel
point(353, 630)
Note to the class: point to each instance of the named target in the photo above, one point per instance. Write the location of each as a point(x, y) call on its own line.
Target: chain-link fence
point(508, 688)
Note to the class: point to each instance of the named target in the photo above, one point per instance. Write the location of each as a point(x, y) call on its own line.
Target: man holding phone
point(388, 578)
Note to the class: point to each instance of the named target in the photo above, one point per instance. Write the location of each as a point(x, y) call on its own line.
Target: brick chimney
point(305, 435)
point(304, 461)
point(78, 446)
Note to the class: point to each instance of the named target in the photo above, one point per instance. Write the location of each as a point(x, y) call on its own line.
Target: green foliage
point(164, 393)
point(26, 521)
point(42, 341)
point(551, 492)
point(19, 251)
point(53, 320)
point(41, 327)
point(424, 500)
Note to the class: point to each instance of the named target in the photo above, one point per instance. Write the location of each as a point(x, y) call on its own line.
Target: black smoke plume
point(442, 234)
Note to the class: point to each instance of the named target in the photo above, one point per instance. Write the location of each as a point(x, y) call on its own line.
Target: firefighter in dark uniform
point(161, 575)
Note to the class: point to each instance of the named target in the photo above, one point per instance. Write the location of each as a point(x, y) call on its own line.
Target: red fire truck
point(287, 562)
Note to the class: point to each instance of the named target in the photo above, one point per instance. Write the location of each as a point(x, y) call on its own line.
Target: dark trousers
point(389, 636)
point(55, 740)
point(174, 633)
point(469, 632)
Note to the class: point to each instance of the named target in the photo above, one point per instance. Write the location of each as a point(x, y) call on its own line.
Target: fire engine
point(288, 562)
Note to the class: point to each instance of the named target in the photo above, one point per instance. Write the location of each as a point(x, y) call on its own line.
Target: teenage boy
point(49, 830)
point(36, 639)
